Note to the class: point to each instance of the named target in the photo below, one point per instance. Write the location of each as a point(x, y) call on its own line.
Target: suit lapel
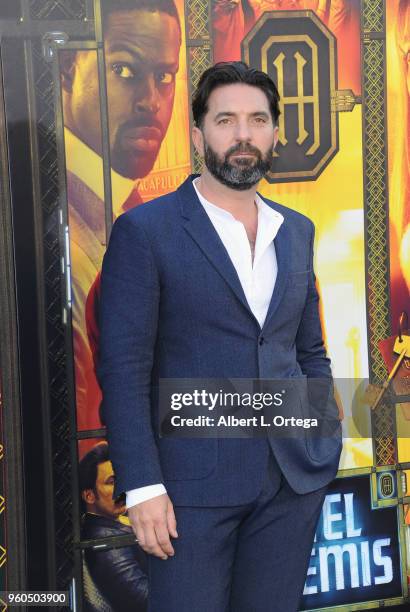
point(198, 225)
point(201, 230)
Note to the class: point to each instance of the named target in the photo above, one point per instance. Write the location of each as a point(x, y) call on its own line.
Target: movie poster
point(151, 155)
point(334, 203)
point(398, 97)
point(355, 556)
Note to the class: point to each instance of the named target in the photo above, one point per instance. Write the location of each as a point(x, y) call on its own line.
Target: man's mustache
point(242, 147)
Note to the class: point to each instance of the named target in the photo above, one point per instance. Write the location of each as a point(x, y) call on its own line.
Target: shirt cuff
point(136, 496)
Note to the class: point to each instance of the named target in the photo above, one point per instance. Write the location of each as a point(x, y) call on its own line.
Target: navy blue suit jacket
point(172, 306)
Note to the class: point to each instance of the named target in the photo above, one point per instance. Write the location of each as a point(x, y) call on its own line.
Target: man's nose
point(243, 132)
point(147, 97)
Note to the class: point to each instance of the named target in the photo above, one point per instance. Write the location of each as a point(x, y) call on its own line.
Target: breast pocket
point(296, 292)
point(300, 278)
point(290, 310)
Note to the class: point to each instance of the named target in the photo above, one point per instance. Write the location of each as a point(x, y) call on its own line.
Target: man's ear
point(88, 496)
point(67, 59)
point(275, 136)
point(198, 140)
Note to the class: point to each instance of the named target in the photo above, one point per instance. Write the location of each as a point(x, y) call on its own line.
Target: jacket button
point(261, 340)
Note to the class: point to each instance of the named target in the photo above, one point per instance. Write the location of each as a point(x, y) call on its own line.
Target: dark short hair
point(163, 6)
point(88, 466)
point(227, 73)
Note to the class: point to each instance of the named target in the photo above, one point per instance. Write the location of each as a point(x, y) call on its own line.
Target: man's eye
point(224, 121)
point(260, 120)
point(123, 70)
point(165, 78)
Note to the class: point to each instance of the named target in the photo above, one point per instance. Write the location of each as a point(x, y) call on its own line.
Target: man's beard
point(245, 173)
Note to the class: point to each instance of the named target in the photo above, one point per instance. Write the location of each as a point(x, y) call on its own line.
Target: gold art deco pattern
point(375, 182)
point(57, 9)
point(199, 49)
point(383, 424)
point(373, 14)
point(199, 59)
point(198, 12)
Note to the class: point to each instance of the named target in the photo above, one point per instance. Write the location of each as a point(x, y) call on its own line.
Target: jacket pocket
point(317, 402)
point(299, 278)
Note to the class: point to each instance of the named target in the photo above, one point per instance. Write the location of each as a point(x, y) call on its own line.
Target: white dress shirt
point(257, 277)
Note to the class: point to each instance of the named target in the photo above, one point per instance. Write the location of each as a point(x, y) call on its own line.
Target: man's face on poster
point(99, 499)
point(142, 58)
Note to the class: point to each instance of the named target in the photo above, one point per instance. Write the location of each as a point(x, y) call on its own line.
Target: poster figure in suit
point(118, 575)
point(142, 41)
point(224, 288)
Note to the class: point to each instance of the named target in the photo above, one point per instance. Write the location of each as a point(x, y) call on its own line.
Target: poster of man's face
point(114, 576)
point(147, 103)
point(142, 59)
point(97, 476)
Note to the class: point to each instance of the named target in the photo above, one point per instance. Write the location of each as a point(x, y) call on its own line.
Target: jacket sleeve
point(311, 351)
point(128, 316)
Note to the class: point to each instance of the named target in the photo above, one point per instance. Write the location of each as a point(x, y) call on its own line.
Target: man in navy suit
point(213, 281)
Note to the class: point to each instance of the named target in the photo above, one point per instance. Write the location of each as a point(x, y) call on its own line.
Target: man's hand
point(153, 521)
